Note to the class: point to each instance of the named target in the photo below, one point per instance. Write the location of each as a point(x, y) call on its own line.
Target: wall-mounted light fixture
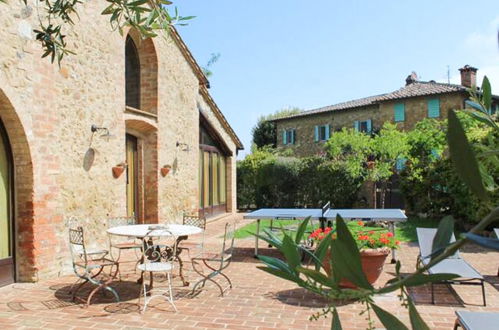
point(106, 135)
point(183, 146)
point(119, 169)
point(165, 170)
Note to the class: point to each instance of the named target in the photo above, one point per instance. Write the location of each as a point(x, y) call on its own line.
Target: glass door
point(131, 176)
point(6, 228)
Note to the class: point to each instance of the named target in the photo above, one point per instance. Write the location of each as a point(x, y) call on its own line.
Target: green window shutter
point(400, 164)
point(399, 112)
point(284, 137)
point(316, 133)
point(327, 132)
point(433, 108)
point(356, 125)
point(293, 133)
point(369, 126)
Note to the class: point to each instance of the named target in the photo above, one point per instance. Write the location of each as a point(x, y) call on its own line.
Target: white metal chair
point(88, 267)
point(119, 244)
point(158, 256)
point(216, 263)
point(188, 245)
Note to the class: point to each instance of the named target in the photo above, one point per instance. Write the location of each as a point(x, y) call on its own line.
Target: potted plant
point(374, 247)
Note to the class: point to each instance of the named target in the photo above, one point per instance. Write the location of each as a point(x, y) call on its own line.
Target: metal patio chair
point(89, 267)
point(215, 263)
point(158, 256)
point(186, 245)
point(452, 265)
point(117, 244)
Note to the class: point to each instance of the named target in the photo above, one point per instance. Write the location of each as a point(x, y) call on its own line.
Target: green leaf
point(336, 323)
point(345, 257)
point(321, 250)
point(443, 236)
point(388, 320)
point(463, 157)
point(280, 273)
point(301, 230)
point(490, 243)
point(486, 93)
point(317, 276)
point(275, 263)
point(290, 251)
point(417, 321)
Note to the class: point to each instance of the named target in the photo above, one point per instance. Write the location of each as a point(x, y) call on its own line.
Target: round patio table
point(181, 232)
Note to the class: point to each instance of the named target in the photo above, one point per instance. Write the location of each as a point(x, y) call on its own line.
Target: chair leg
point(483, 293)
point(457, 324)
point(170, 291)
point(432, 294)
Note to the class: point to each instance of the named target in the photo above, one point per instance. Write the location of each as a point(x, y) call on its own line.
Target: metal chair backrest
point(77, 245)
point(425, 240)
point(227, 249)
point(160, 245)
point(120, 221)
point(194, 220)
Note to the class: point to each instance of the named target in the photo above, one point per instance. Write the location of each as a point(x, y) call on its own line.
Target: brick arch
point(148, 72)
point(147, 137)
point(23, 190)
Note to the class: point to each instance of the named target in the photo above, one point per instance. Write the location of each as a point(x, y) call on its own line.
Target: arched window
point(132, 74)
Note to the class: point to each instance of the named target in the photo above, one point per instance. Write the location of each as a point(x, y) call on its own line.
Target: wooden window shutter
point(316, 133)
point(356, 125)
point(284, 137)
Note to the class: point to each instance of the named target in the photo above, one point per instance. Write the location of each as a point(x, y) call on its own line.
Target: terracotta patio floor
point(257, 301)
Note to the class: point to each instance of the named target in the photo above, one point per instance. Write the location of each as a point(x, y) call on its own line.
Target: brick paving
point(257, 301)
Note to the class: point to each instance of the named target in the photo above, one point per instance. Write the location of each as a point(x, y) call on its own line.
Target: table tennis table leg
point(256, 237)
point(394, 252)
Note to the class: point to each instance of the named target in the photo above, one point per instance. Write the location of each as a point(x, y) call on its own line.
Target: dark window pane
point(132, 74)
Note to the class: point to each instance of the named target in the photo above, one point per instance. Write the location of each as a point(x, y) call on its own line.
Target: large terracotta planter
point(372, 261)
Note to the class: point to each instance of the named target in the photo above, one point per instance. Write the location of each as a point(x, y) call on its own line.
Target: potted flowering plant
point(374, 247)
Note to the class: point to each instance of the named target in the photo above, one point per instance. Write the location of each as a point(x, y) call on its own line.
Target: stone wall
point(415, 110)
point(65, 170)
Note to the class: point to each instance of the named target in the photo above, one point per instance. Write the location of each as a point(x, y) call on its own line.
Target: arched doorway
point(7, 262)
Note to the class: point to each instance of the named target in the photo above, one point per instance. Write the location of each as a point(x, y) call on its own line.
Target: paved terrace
point(257, 301)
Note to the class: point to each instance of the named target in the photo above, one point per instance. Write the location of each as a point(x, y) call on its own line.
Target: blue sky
point(277, 54)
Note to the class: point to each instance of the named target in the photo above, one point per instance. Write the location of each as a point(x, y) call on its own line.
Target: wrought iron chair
point(158, 256)
point(216, 263)
point(118, 244)
point(200, 222)
point(88, 267)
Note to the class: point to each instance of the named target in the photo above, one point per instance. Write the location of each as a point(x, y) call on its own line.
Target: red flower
point(360, 223)
point(389, 234)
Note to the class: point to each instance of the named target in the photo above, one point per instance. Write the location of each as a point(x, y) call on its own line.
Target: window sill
point(135, 111)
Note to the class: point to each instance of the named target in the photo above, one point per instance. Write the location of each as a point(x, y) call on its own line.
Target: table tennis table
point(327, 215)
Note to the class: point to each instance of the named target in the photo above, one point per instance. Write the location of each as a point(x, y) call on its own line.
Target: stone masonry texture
point(62, 170)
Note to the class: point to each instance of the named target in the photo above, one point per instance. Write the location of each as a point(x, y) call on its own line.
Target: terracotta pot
point(165, 170)
point(118, 170)
point(372, 261)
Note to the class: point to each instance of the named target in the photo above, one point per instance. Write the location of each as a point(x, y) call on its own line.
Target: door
point(132, 202)
point(6, 223)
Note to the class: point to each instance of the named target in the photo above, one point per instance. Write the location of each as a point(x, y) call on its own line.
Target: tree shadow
point(302, 297)
point(247, 254)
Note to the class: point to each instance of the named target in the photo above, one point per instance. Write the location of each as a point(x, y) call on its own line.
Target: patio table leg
point(256, 237)
point(394, 253)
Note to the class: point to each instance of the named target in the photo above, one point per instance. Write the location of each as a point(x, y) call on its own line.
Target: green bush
point(269, 180)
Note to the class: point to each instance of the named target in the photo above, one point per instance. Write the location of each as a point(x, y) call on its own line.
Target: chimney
point(468, 76)
point(412, 78)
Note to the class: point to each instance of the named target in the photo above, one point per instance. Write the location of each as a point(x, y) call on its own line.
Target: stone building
point(306, 132)
point(124, 127)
